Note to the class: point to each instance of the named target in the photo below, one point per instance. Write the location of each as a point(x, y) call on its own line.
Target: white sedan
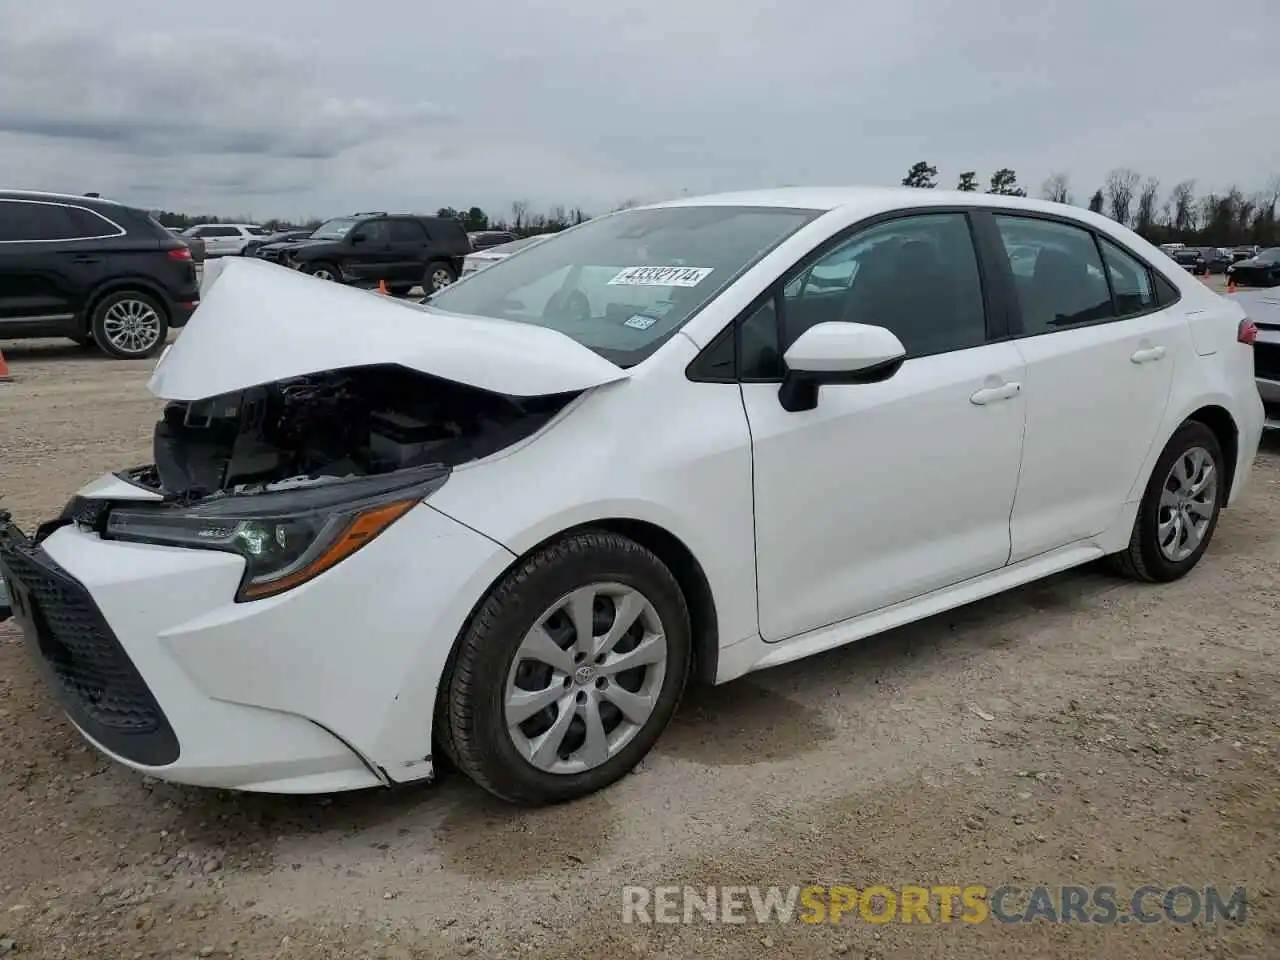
point(677, 443)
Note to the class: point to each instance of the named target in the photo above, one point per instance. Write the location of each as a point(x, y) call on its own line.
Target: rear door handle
point(1006, 391)
point(1147, 355)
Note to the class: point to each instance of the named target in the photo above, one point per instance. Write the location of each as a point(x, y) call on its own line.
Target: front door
point(885, 491)
point(1100, 358)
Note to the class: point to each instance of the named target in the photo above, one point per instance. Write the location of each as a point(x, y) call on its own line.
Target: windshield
point(1270, 255)
point(622, 284)
point(334, 229)
point(520, 244)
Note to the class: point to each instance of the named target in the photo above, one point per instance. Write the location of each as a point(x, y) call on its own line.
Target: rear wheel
point(1179, 510)
point(568, 672)
point(439, 276)
point(129, 325)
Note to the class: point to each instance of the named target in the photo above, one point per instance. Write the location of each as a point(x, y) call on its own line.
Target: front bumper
point(328, 687)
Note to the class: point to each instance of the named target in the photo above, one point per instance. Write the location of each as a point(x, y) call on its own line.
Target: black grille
point(1266, 360)
point(83, 661)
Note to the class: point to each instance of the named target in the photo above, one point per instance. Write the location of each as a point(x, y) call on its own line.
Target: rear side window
point(407, 231)
point(24, 220)
point(1058, 274)
point(1130, 280)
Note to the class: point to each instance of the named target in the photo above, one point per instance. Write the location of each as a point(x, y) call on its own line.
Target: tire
point(438, 276)
point(325, 271)
point(1145, 559)
point(486, 669)
point(129, 325)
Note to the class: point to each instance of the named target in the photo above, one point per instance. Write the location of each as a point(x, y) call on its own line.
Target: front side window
point(622, 284)
point(372, 231)
point(1065, 285)
point(1130, 280)
point(917, 276)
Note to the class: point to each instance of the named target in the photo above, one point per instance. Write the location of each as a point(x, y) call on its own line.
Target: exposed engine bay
point(331, 426)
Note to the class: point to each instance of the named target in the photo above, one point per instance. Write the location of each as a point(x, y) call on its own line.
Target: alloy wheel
point(440, 278)
point(586, 678)
point(1188, 503)
point(132, 326)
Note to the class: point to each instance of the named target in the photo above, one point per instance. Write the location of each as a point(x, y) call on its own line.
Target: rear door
point(408, 244)
point(1100, 357)
point(50, 258)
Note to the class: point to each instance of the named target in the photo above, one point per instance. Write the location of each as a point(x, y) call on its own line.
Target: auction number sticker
point(661, 276)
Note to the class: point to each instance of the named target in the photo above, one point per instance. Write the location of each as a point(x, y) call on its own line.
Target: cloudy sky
point(313, 107)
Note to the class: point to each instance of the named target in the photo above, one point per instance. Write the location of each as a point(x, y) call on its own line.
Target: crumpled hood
point(259, 322)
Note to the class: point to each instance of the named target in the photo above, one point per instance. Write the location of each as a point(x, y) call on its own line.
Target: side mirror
point(837, 352)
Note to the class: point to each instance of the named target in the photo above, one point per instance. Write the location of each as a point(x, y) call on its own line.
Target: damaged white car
point(676, 443)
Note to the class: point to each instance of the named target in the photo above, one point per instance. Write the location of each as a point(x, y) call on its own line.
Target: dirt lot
point(1080, 731)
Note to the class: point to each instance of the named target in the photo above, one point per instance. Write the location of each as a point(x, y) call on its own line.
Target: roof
point(59, 197)
point(871, 198)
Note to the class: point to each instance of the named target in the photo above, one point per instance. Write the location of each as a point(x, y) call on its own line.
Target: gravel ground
point(1083, 730)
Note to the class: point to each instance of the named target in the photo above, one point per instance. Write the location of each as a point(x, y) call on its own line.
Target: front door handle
point(1147, 355)
point(1006, 391)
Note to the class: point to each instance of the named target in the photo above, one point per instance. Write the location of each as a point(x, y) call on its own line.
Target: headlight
point(288, 537)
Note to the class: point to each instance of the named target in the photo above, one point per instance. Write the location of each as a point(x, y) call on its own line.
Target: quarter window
point(917, 276)
point(1130, 280)
point(1058, 274)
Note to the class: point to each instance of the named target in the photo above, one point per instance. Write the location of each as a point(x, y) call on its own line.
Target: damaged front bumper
point(327, 687)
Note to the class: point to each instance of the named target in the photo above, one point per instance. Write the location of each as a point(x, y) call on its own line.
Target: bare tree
point(1147, 199)
point(1122, 183)
point(1182, 198)
point(1057, 188)
point(519, 213)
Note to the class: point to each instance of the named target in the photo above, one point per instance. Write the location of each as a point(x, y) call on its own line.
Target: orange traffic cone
point(382, 288)
point(5, 375)
point(1231, 284)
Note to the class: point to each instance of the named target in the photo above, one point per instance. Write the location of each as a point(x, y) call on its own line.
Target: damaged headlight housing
point(285, 537)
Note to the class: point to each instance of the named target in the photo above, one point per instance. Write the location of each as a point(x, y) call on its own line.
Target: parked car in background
point(405, 250)
point(484, 239)
point(1201, 261)
point(225, 239)
point(194, 244)
point(1263, 308)
point(1260, 270)
point(92, 270)
point(272, 243)
point(486, 258)
point(509, 526)
point(1244, 253)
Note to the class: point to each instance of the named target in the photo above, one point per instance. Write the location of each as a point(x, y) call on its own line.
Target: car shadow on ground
point(749, 721)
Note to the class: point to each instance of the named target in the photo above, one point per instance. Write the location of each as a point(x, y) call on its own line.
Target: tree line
point(1233, 218)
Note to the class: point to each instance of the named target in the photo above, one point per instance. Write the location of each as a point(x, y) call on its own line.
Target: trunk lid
point(259, 323)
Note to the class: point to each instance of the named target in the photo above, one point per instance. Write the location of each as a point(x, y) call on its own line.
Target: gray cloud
point(386, 103)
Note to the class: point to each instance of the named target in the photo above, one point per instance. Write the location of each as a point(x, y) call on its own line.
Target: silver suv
point(226, 239)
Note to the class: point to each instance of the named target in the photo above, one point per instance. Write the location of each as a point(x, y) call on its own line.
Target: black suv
point(95, 271)
point(404, 250)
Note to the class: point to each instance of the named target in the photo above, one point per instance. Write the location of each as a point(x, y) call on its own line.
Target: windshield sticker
point(661, 276)
point(640, 322)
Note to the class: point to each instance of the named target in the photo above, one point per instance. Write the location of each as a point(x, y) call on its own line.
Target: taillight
point(1248, 332)
point(179, 253)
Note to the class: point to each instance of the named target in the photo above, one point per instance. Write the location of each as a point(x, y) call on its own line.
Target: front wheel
point(324, 271)
point(569, 671)
point(129, 325)
point(1179, 510)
